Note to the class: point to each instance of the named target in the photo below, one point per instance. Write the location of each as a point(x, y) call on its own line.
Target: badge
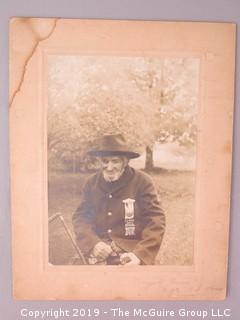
point(129, 217)
point(129, 208)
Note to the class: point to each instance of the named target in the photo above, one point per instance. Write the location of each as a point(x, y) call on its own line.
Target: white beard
point(112, 177)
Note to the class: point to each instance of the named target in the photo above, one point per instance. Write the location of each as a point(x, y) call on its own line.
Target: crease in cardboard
point(38, 39)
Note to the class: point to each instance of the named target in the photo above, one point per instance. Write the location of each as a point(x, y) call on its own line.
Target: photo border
point(207, 278)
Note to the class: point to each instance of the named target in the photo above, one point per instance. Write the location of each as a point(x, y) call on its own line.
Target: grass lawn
point(175, 190)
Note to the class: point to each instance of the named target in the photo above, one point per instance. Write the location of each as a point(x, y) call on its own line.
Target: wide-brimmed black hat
point(113, 145)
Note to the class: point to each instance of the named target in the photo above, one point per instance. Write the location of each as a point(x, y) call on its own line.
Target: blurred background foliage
point(148, 100)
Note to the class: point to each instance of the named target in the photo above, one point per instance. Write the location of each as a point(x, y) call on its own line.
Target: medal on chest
point(129, 217)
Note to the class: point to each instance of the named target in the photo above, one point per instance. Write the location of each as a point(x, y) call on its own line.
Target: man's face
point(113, 167)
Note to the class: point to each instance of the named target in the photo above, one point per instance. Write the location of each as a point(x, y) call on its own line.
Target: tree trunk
point(149, 159)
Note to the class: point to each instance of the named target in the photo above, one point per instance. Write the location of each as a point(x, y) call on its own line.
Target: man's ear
point(99, 160)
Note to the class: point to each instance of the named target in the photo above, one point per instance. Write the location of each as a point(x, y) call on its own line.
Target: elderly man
point(119, 220)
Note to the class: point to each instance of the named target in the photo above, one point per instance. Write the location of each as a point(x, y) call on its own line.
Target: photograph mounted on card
point(120, 178)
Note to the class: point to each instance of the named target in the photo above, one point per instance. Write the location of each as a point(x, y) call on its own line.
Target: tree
point(172, 85)
point(145, 99)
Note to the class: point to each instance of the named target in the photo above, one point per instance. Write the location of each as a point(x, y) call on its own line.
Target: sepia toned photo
point(122, 134)
point(120, 154)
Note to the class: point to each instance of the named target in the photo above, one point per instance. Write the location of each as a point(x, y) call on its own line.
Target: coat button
point(109, 231)
point(110, 196)
point(109, 213)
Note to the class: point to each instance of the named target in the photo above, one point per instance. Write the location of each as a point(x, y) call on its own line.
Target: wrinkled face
point(113, 167)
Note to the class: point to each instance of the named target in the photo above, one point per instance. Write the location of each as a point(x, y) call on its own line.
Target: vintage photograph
point(122, 135)
point(120, 146)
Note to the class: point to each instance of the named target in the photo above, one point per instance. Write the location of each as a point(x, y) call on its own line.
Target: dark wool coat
point(103, 215)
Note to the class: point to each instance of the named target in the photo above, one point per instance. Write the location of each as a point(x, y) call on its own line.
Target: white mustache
point(111, 175)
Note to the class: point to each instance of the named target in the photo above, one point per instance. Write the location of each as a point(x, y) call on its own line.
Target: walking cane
point(58, 215)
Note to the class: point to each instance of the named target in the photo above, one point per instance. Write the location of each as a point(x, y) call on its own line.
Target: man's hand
point(102, 250)
point(129, 258)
